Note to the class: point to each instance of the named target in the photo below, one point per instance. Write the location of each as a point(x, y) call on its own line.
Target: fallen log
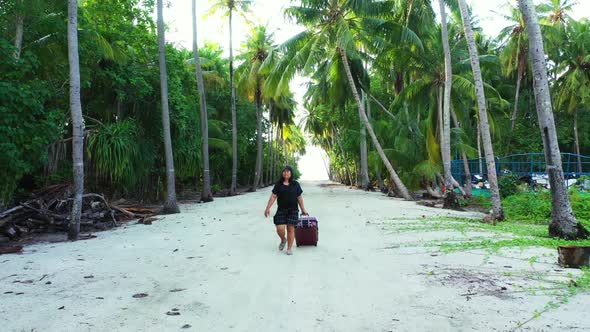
point(49, 210)
point(124, 211)
point(6, 213)
point(11, 249)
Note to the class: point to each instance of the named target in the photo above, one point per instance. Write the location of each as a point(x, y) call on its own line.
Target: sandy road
point(217, 265)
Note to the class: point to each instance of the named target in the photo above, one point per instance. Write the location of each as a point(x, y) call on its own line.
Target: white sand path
point(217, 264)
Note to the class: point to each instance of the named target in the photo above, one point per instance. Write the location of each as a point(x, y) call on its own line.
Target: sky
point(214, 28)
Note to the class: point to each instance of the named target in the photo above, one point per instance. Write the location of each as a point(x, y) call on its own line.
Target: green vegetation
point(121, 104)
point(535, 207)
point(508, 185)
point(374, 99)
point(528, 215)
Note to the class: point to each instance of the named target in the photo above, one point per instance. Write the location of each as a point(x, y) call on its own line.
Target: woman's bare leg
point(290, 236)
point(281, 232)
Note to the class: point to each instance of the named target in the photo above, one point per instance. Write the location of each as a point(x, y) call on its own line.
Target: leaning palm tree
point(251, 82)
point(206, 195)
point(170, 206)
point(229, 6)
point(77, 120)
point(497, 211)
point(514, 54)
point(563, 223)
point(332, 28)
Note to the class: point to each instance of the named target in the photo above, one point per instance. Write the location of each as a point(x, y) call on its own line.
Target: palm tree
point(364, 153)
point(554, 19)
point(363, 144)
point(283, 115)
point(556, 11)
point(514, 55)
point(170, 206)
point(573, 86)
point(241, 6)
point(251, 82)
point(77, 120)
point(206, 195)
point(424, 91)
point(294, 140)
point(497, 213)
point(450, 199)
point(331, 29)
point(270, 150)
point(564, 223)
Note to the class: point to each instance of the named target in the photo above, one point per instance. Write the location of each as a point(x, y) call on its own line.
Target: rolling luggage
point(306, 231)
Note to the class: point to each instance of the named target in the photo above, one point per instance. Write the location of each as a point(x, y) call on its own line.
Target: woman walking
point(288, 194)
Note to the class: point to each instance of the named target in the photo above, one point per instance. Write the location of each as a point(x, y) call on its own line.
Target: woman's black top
point(287, 195)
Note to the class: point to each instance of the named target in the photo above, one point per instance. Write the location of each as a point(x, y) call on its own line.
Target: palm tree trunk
point(468, 190)
point(479, 152)
point(119, 109)
point(284, 145)
point(563, 223)
point(270, 151)
point(380, 107)
point(339, 141)
point(369, 185)
point(234, 132)
point(77, 120)
point(516, 97)
point(206, 195)
point(497, 211)
point(18, 38)
point(330, 149)
point(170, 206)
point(467, 178)
point(364, 157)
point(439, 114)
point(327, 167)
point(277, 155)
point(577, 141)
point(398, 182)
point(258, 171)
point(446, 116)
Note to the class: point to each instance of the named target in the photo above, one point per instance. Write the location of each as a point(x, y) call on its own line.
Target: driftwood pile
point(48, 210)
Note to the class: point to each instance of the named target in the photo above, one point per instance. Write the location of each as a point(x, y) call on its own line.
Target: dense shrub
point(536, 206)
point(508, 185)
point(28, 121)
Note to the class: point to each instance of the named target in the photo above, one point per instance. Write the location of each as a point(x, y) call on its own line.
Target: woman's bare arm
point(271, 201)
point(300, 201)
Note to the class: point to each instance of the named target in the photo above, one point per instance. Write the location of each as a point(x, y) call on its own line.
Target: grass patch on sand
point(528, 215)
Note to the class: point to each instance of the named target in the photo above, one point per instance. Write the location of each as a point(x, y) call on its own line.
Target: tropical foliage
point(375, 70)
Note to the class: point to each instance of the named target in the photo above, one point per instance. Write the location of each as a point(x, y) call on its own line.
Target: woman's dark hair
point(281, 179)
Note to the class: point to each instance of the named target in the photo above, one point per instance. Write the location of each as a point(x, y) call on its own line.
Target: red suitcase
point(306, 231)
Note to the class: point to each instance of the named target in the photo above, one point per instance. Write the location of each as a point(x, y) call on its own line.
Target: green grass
point(528, 215)
point(507, 234)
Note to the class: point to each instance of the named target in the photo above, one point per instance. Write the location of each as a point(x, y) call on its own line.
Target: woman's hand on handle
point(300, 201)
